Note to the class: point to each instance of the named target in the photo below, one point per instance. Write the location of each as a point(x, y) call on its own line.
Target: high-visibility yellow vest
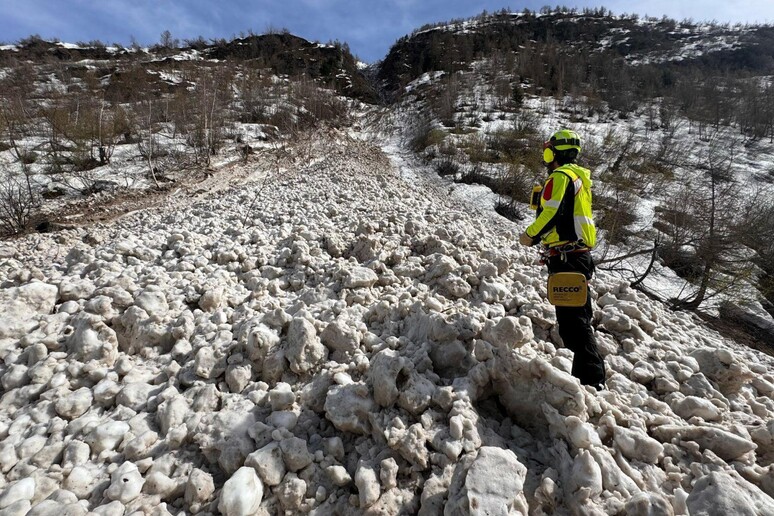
point(564, 214)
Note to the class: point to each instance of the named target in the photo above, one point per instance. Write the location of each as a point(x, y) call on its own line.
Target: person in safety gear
point(564, 225)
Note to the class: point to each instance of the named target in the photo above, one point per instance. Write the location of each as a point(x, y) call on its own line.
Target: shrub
point(615, 214)
point(515, 183)
point(426, 136)
point(526, 123)
point(477, 151)
point(508, 209)
point(447, 167)
point(476, 175)
point(686, 264)
point(28, 157)
point(17, 203)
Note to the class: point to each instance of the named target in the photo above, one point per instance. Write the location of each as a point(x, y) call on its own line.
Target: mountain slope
point(282, 54)
point(593, 53)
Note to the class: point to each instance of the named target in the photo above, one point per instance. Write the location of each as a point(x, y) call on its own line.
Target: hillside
point(281, 53)
point(255, 290)
point(670, 129)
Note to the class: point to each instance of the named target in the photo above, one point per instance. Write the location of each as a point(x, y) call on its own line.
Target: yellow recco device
point(534, 198)
point(567, 289)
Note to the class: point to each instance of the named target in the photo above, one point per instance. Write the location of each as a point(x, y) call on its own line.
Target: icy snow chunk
point(526, 384)
point(269, 464)
point(367, 483)
point(295, 453)
point(691, 406)
point(139, 447)
point(212, 299)
point(409, 442)
point(348, 408)
point(76, 453)
point(724, 444)
point(637, 445)
point(207, 365)
point(454, 285)
point(135, 395)
point(586, 480)
point(92, 339)
point(225, 437)
point(493, 484)
point(360, 277)
point(493, 291)
point(643, 372)
point(304, 351)
point(416, 394)
point(20, 508)
point(18, 304)
point(258, 339)
point(125, 483)
point(723, 368)
point(340, 336)
point(22, 490)
point(172, 413)
point(153, 301)
point(338, 475)
point(388, 473)
point(725, 493)
point(241, 494)
point(157, 483)
point(119, 296)
point(72, 289)
point(509, 332)
point(281, 396)
point(441, 266)
point(647, 504)
point(763, 386)
point(74, 404)
point(577, 433)
point(383, 373)
point(199, 488)
point(137, 331)
point(79, 481)
point(30, 446)
point(15, 376)
point(105, 391)
point(107, 436)
point(238, 376)
point(291, 492)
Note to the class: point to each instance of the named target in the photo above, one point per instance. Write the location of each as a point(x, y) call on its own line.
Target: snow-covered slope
point(352, 341)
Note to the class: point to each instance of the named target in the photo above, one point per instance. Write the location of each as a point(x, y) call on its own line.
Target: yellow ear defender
point(548, 155)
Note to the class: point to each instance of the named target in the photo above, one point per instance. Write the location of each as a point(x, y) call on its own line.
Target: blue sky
point(369, 27)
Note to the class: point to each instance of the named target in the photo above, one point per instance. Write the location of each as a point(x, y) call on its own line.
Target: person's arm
point(553, 193)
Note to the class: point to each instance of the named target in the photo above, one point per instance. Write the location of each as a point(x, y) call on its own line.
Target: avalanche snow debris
point(360, 344)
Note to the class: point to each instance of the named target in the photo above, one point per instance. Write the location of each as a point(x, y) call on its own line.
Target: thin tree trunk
point(150, 144)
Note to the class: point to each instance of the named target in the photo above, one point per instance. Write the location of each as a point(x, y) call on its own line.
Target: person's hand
point(525, 239)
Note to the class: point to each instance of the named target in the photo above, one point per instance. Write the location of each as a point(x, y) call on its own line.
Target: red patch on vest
point(549, 188)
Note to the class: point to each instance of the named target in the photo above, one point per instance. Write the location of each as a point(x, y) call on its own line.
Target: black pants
point(575, 323)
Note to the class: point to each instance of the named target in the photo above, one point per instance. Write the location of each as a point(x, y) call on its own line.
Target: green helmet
point(566, 140)
point(561, 141)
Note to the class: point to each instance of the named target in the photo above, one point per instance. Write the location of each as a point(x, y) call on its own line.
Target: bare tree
point(712, 212)
point(148, 146)
point(17, 205)
point(18, 196)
